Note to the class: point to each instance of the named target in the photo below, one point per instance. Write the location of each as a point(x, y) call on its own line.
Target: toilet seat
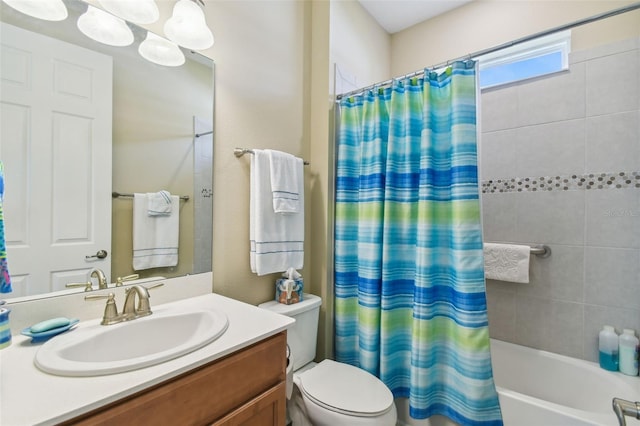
point(346, 389)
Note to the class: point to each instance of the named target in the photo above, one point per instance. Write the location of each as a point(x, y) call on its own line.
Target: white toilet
point(333, 393)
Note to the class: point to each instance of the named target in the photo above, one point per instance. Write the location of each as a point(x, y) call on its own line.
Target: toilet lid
point(346, 389)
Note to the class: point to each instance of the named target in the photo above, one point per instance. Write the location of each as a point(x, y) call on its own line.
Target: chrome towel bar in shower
point(540, 250)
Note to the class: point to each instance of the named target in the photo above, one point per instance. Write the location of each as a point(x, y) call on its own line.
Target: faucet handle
point(111, 315)
point(121, 280)
point(88, 286)
point(153, 286)
point(143, 304)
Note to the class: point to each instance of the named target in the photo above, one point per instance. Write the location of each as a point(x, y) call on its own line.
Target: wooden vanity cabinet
point(244, 388)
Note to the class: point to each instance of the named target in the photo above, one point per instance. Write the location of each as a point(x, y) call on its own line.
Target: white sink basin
point(97, 349)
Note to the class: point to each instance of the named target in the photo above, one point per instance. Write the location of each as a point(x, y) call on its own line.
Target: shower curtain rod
point(589, 20)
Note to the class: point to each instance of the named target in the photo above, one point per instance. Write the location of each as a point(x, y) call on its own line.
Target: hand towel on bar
point(285, 170)
point(159, 203)
point(507, 262)
point(155, 238)
point(277, 240)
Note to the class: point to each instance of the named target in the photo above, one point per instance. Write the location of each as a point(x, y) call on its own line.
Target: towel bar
point(239, 152)
point(124, 195)
point(541, 250)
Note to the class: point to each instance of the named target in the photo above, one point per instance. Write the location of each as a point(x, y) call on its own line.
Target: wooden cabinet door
point(265, 410)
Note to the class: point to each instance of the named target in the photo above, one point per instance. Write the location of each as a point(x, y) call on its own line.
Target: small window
point(534, 58)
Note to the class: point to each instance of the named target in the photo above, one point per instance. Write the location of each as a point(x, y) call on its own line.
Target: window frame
point(554, 43)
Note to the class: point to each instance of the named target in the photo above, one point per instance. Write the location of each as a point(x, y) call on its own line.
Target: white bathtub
point(538, 388)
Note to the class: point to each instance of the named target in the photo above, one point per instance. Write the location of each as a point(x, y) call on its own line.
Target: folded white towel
point(507, 262)
point(155, 238)
point(159, 203)
point(285, 172)
point(277, 240)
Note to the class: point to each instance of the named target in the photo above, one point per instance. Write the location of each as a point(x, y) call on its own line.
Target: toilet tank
point(301, 337)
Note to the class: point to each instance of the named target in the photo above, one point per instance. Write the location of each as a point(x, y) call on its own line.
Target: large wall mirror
point(155, 132)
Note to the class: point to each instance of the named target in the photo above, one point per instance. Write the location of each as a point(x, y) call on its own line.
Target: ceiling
point(397, 15)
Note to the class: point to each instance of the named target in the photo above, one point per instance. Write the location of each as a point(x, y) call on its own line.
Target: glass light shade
point(49, 10)
point(104, 27)
point(161, 51)
point(187, 26)
point(137, 11)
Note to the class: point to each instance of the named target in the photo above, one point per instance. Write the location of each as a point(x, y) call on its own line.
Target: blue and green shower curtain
point(410, 301)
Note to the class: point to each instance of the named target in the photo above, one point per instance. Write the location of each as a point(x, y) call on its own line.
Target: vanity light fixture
point(139, 11)
point(104, 27)
point(187, 26)
point(49, 10)
point(161, 51)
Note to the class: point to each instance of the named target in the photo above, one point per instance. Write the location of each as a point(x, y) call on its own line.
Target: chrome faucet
point(102, 279)
point(624, 408)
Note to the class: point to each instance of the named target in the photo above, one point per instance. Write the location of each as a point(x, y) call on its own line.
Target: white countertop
point(29, 396)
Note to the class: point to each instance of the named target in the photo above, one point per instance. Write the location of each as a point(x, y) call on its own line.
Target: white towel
point(507, 262)
point(159, 203)
point(155, 238)
point(285, 172)
point(277, 240)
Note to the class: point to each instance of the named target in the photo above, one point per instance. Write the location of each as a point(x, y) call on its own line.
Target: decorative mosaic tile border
point(615, 180)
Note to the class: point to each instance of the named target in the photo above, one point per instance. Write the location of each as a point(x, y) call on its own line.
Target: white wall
point(260, 103)
point(360, 47)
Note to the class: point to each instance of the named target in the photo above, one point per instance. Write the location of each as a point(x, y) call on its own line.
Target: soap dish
point(44, 335)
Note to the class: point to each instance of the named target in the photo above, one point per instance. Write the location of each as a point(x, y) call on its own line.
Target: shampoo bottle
point(608, 344)
point(628, 352)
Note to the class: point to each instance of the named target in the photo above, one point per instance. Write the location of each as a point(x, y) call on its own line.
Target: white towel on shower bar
point(507, 262)
point(285, 170)
point(155, 238)
point(277, 240)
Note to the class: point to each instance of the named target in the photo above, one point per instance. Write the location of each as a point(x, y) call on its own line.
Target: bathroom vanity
point(246, 387)
point(239, 378)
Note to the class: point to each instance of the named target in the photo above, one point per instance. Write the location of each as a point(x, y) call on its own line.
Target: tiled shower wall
point(560, 165)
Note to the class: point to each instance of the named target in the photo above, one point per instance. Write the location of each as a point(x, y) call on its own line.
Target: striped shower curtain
point(409, 277)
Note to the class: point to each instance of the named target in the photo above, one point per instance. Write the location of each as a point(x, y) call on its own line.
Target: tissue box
point(295, 294)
